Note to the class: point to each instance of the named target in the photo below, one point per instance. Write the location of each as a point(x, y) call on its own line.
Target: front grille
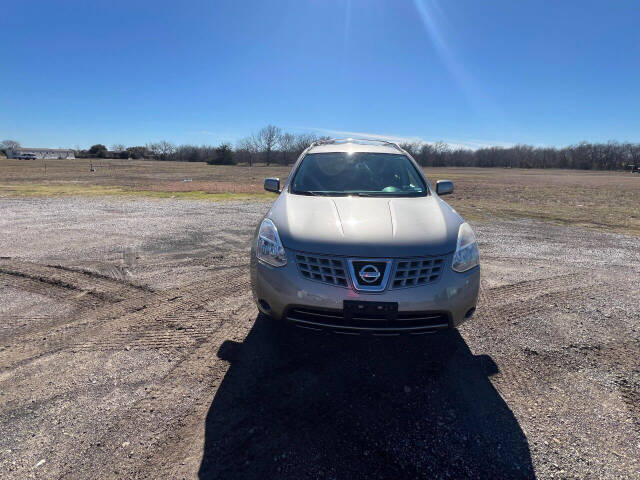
point(322, 269)
point(402, 273)
point(406, 322)
point(412, 273)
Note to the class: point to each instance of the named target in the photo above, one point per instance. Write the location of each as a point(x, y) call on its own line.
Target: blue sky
point(74, 73)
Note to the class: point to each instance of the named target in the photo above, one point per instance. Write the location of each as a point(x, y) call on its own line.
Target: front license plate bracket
point(360, 308)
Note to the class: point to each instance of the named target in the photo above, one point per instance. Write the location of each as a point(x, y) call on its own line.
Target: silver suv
point(358, 241)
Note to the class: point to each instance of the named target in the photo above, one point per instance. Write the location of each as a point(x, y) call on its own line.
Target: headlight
point(466, 256)
point(269, 248)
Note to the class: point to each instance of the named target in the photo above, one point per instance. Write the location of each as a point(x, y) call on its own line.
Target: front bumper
point(283, 293)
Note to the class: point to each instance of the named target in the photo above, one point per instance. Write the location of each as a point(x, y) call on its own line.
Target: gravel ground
point(130, 348)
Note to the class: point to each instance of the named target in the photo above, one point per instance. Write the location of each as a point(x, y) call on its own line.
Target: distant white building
point(61, 153)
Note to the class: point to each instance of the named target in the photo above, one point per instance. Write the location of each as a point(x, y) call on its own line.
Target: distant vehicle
point(359, 242)
point(26, 156)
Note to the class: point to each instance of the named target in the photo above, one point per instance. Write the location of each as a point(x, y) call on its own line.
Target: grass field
point(601, 200)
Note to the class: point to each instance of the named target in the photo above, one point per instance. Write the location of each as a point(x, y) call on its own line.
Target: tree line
point(270, 145)
point(584, 156)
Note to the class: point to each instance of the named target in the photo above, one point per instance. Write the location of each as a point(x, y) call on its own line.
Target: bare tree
point(166, 149)
point(9, 145)
point(247, 149)
point(302, 141)
point(412, 147)
point(162, 149)
point(267, 139)
point(152, 148)
point(118, 147)
point(287, 146)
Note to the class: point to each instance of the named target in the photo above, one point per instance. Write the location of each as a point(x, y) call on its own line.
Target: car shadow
point(298, 404)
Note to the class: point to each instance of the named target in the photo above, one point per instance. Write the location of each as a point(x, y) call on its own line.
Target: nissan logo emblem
point(369, 273)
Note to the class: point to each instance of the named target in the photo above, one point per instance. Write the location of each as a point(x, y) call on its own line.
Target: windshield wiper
point(388, 194)
point(306, 192)
point(318, 193)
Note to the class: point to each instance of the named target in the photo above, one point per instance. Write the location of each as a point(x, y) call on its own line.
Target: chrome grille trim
point(413, 272)
point(321, 268)
point(334, 320)
point(355, 279)
point(307, 324)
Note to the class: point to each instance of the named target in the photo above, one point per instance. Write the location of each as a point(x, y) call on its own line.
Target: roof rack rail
point(328, 141)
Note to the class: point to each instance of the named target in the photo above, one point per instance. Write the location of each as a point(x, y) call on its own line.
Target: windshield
point(364, 174)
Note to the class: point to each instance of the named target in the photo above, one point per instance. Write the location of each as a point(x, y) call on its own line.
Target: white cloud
point(208, 133)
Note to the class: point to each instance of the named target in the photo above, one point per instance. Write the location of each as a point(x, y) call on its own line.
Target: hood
point(366, 226)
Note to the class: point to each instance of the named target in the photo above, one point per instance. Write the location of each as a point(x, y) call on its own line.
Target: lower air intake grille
point(322, 269)
point(411, 273)
point(406, 322)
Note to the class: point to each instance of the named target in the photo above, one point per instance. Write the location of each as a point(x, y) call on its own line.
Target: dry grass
point(39, 190)
point(601, 200)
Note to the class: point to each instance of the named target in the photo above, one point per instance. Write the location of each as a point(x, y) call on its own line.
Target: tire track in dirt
point(239, 258)
point(192, 321)
point(528, 288)
point(86, 292)
point(14, 326)
point(529, 297)
point(177, 319)
point(47, 289)
point(94, 297)
point(129, 442)
point(172, 319)
point(103, 288)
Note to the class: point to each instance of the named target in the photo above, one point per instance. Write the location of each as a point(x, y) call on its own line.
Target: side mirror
point(272, 185)
point(444, 187)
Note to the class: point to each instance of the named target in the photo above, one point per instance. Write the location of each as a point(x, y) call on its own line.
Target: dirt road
point(130, 348)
